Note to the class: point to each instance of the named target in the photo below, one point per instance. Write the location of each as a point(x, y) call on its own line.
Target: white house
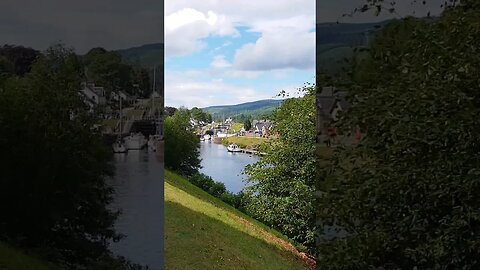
point(262, 127)
point(93, 94)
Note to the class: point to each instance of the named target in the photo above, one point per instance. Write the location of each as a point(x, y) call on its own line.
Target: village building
point(92, 95)
point(330, 102)
point(262, 127)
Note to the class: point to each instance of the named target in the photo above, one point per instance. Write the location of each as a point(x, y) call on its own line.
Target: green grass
point(110, 123)
point(236, 127)
point(14, 259)
point(135, 113)
point(245, 142)
point(202, 232)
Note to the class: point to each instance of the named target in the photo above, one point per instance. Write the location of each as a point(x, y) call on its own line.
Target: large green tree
point(53, 194)
point(182, 152)
point(282, 182)
point(407, 196)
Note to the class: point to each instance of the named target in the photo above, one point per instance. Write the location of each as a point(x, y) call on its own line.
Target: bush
point(217, 189)
point(182, 152)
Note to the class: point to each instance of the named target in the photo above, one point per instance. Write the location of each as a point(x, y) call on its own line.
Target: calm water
point(139, 194)
point(224, 166)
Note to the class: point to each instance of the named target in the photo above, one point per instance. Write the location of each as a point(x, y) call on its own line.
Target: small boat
point(207, 137)
point(119, 146)
point(233, 148)
point(135, 141)
point(202, 139)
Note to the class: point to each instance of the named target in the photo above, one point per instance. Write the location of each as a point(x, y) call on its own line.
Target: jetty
point(251, 152)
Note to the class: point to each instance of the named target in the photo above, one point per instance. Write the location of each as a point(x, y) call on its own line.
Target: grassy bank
point(14, 259)
point(245, 142)
point(202, 232)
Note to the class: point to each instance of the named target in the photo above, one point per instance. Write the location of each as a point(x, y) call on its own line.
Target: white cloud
point(219, 62)
point(285, 44)
point(190, 92)
point(278, 50)
point(185, 29)
point(226, 44)
point(245, 74)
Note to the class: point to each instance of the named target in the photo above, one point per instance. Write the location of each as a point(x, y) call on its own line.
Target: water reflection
point(224, 166)
point(138, 184)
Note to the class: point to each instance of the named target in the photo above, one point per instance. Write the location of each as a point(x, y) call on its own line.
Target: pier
point(251, 152)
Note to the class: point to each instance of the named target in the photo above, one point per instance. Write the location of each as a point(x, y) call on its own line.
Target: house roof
point(328, 99)
point(326, 104)
point(260, 124)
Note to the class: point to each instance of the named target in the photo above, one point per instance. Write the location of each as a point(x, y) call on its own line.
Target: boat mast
point(153, 88)
point(120, 131)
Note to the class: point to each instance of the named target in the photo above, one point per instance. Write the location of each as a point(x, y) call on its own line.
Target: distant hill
point(337, 42)
point(255, 108)
point(147, 55)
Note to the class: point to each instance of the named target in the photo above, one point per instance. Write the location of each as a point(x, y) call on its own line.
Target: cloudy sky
point(228, 52)
point(112, 24)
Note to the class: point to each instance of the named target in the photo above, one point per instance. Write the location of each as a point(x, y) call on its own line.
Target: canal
point(138, 184)
point(224, 166)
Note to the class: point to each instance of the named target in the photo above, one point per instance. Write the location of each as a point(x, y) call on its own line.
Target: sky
point(112, 24)
point(221, 52)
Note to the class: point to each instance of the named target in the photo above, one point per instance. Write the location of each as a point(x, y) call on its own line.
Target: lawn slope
point(14, 259)
point(202, 232)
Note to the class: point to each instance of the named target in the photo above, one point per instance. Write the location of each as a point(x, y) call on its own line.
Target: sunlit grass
point(245, 142)
point(202, 232)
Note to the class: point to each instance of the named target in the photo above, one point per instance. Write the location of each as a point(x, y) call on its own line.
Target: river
point(224, 166)
point(138, 185)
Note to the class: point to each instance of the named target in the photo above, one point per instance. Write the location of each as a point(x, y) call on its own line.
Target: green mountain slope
point(147, 55)
point(337, 42)
point(202, 232)
point(255, 108)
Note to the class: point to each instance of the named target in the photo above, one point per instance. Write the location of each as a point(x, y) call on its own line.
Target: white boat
point(119, 146)
point(135, 141)
point(202, 139)
point(233, 148)
point(207, 137)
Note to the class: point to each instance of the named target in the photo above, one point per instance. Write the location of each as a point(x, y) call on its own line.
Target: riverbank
point(203, 232)
point(245, 142)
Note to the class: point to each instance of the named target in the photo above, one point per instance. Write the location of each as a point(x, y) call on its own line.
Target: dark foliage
point(53, 194)
point(406, 197)
point(170, 111)
point(20, 58)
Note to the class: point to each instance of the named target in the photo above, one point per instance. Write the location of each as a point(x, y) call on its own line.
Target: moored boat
point(233, 148)
point(119, 146)
point(135, 141)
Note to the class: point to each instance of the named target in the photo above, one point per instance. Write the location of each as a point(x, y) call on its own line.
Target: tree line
point(407, 196)
point(53, 192)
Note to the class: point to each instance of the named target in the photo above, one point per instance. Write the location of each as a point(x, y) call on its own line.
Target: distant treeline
point(100, 66)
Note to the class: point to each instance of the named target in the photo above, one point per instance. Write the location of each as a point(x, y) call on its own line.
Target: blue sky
point(230, 52)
